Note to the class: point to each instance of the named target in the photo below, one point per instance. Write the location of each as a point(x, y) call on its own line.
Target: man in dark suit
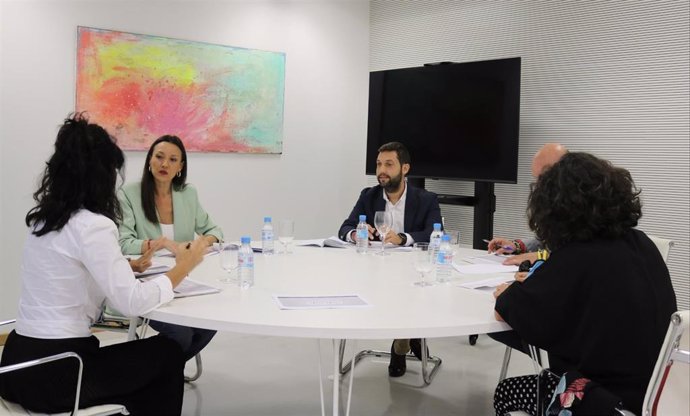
point(414, 213)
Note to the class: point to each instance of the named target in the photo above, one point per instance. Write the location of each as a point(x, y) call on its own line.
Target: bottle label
point(267, 235)
point(441, 257)
point(362, 234)
point(246, 261)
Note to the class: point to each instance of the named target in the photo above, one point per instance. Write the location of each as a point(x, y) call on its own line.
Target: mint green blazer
point(189, 218)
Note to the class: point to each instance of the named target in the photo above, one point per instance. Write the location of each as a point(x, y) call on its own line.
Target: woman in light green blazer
point(162, 211)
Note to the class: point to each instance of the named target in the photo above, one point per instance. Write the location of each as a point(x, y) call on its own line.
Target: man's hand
point(393, 238)
point(372, 233)
point(516, 260)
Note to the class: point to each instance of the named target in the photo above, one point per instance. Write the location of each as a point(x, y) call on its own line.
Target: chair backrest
point(670, 353)
point(663, 245)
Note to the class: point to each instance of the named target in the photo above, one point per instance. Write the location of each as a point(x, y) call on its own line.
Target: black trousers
point(514, 340)
point(144, 375)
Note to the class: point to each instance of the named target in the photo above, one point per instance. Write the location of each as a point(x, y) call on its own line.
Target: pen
point(505, 248)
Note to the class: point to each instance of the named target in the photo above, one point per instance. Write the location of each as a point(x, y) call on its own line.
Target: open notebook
point(324, 242)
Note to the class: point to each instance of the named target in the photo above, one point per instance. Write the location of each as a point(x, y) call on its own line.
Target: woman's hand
point(501, 245)
point(521, 276)
point(142, 263)
point(210, 240)
point(500, 289)
point(187, 257)
point(164, 243)
point(516, 260)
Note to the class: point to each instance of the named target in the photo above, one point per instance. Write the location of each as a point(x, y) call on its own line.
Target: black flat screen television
point(458, 120)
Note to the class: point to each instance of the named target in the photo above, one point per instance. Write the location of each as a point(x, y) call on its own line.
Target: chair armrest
point(45, 360)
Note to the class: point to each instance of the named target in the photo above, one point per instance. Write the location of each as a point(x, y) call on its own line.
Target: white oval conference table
point(397, 308)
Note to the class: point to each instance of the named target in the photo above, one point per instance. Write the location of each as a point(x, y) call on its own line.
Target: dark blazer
point(421, 212)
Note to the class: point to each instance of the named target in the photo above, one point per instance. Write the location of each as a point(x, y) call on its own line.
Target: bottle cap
point(362, 218)
point(246, 240)
point(267, 219)
point(445, 237)
point(437, 226)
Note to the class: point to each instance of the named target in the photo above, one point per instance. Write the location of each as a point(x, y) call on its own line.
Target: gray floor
point(266, 376)
point(250, 375)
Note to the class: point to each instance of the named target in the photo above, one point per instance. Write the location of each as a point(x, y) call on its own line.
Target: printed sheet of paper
point(487, 284)
point(320, 302)
point(376, 245)
point(487, 259)
point(484, 268)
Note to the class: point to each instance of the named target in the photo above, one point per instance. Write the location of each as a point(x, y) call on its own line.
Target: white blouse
point(68, 274)
point(168, 231)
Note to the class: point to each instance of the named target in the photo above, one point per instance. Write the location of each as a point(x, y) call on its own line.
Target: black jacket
point(421, 212)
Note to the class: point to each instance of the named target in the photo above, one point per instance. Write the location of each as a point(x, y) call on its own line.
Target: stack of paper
point(487, 259)
point(484, 268)
point(487, 284)
point(189, 287)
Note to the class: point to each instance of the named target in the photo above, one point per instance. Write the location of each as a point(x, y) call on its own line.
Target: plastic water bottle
point(435, 240)
point(362, 235)
point(444, 260)
point(245, 260)
point(267, 246)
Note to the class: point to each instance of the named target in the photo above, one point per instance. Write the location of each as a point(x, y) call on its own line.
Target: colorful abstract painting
point(215, 98)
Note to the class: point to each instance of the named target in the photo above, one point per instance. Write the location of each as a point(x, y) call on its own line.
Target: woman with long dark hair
point(72, 265)
point(162, 211)
point(600, 304)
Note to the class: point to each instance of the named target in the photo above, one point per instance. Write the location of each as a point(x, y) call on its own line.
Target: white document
point(484, 268)
point(320, 302)
point(189, 287)
point(487, 259)
point(376, 245)
point(487, 284)
point(164, 252)
point(155, 268)
point(324, 242)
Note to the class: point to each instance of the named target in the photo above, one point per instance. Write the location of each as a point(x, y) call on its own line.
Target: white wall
point(612, 78)
point(314, 181)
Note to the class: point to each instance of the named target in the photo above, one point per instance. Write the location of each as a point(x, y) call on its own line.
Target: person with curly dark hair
point(602, 300)
point(72, 265)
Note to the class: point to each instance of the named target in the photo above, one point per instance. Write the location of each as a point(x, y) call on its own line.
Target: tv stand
point(484, 203)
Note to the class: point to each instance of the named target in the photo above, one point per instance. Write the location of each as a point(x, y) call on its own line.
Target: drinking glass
point(454, 239)
point(227, 253)
point(286, 232)
point(383, 222)
point(423, 262)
